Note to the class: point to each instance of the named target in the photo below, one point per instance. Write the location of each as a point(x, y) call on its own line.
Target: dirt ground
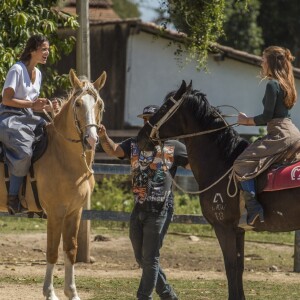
point(183, 256)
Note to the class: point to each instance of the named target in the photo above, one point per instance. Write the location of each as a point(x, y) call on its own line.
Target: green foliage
point(241, 29)
point(113, 193)
point(186, 204)
point(262, 132)
point(126, 9)
point(19, 20)
point(280, 24)
point(201, 20)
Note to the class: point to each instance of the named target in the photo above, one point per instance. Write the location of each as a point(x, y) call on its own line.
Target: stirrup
point(40, 214)
point(251, 220)
point(14, 207)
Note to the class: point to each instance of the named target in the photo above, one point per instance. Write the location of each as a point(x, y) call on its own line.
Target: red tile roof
point(99, 10)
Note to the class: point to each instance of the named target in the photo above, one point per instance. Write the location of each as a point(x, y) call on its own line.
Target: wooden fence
point(112, 169)
point(88, 215)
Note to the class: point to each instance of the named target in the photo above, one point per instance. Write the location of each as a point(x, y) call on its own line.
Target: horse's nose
point(91, 138)
point(90, 142)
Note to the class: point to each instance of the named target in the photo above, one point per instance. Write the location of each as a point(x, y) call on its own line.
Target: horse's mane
point(208, 116)
point(231, 143)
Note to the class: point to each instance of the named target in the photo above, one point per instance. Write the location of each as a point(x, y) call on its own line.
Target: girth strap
point(6, 177)
point(34, 188)
point(23, 192)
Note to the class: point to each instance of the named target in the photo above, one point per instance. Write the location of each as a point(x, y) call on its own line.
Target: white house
point(152, 71)
point(142, 68)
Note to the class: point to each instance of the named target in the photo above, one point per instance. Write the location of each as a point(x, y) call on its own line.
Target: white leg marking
point(48, 289)
point(70, 286)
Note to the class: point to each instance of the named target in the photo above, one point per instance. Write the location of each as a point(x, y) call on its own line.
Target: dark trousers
point(147, 231)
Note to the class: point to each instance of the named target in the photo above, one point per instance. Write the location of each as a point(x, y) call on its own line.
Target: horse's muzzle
point(90, 142)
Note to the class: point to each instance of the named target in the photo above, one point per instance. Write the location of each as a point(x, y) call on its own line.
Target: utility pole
point(83, 68)
point(83, 39)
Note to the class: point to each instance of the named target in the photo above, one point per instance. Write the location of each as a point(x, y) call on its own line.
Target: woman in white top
point(18, 124)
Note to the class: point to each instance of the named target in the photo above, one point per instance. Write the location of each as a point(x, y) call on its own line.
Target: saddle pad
point(39, 147)
point(283, 177)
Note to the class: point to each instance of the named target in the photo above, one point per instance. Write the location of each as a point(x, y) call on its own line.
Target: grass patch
point(19, 225)
point(125, 288)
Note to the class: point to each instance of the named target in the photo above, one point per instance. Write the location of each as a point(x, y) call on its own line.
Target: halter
point(77, 124)
point(86, 90)
point(154, 136)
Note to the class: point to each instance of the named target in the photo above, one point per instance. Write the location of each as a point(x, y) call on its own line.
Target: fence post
point(297, 252)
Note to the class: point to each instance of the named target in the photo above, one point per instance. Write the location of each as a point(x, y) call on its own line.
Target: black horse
point(211, 153)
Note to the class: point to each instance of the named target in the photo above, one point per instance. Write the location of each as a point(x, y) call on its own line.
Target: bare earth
point(182, 257)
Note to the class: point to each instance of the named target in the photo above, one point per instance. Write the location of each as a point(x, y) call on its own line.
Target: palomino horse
point(64, 177)
point(212, 147)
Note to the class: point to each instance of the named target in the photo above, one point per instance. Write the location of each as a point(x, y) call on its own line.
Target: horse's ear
point(75, 82)
point(99, 83)
point(189, 87)
point(180, 91)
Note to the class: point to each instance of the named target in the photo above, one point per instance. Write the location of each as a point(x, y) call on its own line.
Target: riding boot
point(254, 208)
point(14, 205)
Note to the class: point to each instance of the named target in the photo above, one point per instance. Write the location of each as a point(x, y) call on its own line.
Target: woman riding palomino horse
point(64, 177)
point(280, 97)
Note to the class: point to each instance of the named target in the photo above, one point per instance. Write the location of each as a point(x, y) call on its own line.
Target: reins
point(157, 139)
point(53, 124)
point(154, 136)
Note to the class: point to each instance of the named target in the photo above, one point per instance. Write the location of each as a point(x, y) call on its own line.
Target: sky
point(147, 8)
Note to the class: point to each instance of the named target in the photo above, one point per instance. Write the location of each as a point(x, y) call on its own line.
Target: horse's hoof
point(52, 297)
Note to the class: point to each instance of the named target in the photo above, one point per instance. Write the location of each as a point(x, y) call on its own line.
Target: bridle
point(154, 134)
point(88, 89)
point(154, 137)
point(76, 121)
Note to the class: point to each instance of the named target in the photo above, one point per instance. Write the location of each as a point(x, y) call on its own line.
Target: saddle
point(39, 148)
point(284, 175)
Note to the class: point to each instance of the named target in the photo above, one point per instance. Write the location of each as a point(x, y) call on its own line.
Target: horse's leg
point(70, 232)
point(227, 237)
point(48, 289)
point(53, 239)
point(240, 246)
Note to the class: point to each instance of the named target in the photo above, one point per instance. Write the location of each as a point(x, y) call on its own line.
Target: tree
point(126, 9)
point(241, 28)
point(19, 20)
point(201, 20)
point(280, 23)
point(248, 25)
